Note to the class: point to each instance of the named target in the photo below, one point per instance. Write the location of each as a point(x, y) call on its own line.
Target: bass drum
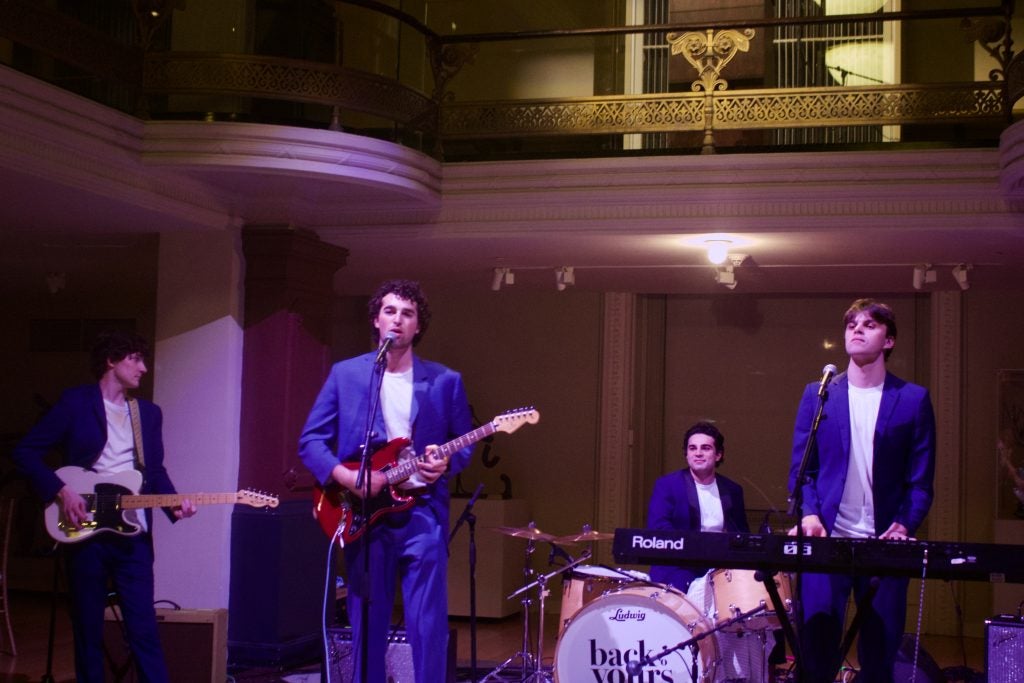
point(619, 627)
point(583, 584)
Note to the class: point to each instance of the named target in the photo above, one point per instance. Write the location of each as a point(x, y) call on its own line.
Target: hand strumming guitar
point(72, 506)
point(347, 478)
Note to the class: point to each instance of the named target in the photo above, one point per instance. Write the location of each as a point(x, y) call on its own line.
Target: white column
point(197, 382)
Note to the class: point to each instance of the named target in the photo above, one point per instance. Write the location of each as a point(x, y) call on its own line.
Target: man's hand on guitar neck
point(431, 468)
point(185, 510)
point(72, 506)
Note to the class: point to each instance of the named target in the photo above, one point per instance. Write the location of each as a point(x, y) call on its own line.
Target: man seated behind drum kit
point(696, 498)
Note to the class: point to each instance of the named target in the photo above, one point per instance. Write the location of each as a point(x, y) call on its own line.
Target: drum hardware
point(530, 531)
point(634, 668)
point(587, 535)
point(532, 665)
point(736, 590)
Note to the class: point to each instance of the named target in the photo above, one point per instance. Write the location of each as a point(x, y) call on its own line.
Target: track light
point(564, 277)
point(502, 276)
point(960, 275)
point(726, 276)
point(924, 274)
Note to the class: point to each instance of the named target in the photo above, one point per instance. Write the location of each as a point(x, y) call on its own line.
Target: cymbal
point(587, 536)
point(530, 532)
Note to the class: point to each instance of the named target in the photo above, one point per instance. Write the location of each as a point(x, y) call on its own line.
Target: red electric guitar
point(333, 508)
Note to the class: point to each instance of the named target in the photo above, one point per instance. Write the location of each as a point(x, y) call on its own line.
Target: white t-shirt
point(856, 518)
point(118, 454)
point(712, 517)
point(396, 406)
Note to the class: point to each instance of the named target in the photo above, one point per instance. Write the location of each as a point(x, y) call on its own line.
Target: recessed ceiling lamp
point(718, 250)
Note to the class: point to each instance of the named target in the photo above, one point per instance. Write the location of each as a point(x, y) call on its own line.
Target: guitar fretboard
point(406, 468)
point(160, 500)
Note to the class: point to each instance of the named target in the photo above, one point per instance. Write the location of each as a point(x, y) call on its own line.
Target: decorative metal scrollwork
point(709, 53)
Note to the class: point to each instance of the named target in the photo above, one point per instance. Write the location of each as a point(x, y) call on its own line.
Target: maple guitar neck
point(161, 500)
point(406, 468)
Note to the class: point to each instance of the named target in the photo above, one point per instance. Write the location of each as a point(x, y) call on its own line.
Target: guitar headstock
point(512, 420)
point(256, 499)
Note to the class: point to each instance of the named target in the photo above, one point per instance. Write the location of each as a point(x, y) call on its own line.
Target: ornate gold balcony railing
point(156, 83)
point(732, 110)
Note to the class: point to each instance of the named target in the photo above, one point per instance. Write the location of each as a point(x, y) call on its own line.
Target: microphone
point(827, 373)
point(389, 339)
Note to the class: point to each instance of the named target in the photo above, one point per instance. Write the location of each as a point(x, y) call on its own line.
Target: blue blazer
point(904, 457)
point(337, 422)
point(674, 506)
point(77, 425)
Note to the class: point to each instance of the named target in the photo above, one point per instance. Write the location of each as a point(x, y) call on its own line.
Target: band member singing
point(870, 475)
point(425, 402)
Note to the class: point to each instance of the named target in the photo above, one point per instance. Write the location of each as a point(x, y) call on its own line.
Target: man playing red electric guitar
point(426, 403)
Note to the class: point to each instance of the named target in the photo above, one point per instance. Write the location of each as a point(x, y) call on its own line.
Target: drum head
point(621, 627)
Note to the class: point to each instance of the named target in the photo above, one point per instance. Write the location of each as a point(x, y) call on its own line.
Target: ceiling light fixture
point(960, 275)
point(718, 250)
point(502, 276)
point(564, 277)
point(726, 276)
point(924, 274)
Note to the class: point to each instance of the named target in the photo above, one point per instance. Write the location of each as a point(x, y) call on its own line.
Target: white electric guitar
point(113, 503)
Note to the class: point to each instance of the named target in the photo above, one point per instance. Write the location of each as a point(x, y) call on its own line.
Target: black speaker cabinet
point(1004, 649)
point(398, 660)
point(195, 645)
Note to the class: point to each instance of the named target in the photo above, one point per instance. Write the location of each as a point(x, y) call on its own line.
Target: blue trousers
point(126, 565)
point(411, 546)
point(881, 628)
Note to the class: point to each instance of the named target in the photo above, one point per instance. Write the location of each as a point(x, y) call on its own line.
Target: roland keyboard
point(991, 562)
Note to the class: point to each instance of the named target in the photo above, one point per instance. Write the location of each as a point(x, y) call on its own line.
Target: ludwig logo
point(627, 615)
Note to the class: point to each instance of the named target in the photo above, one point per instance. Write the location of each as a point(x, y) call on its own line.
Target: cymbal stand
point(523, 655)
point(539, 675)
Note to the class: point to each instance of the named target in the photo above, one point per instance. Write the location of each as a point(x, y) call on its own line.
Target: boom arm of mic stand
point(466, 512)
point(634, 668)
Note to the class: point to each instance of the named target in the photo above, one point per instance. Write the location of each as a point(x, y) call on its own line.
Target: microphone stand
point(363, 483)
point(796, 506)
point(470, 518)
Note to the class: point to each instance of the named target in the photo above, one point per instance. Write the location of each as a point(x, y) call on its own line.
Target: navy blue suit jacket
point(337, 422)
point(77, 425)
point(674, 506)
point(904, 457)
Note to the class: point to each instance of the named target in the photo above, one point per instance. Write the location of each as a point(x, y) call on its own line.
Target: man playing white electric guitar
point(98, 427)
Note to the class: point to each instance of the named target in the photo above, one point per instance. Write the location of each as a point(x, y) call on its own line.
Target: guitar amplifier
point(397, 662)
point(1004, 649)
point(195, 643)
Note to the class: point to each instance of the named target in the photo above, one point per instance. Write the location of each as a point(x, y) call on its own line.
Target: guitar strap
point(133, 412)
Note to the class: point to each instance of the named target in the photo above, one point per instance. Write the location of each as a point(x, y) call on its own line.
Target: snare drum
point(584, 583)
point(618, 627)
point(737, 591)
